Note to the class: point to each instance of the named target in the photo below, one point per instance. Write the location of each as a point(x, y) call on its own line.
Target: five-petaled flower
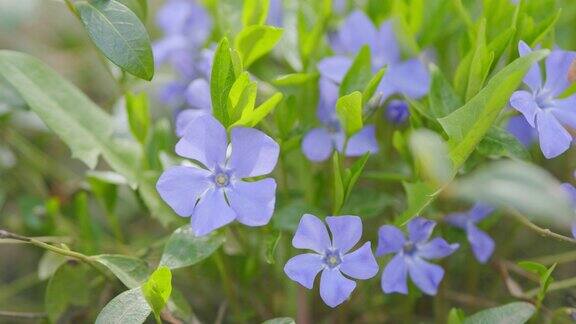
point(542, 106)
point(319, 143)
point(217, 193)
point(409, 77)
point(397, 111)
point(482, 244)
point(410, 256)
point(332, 257)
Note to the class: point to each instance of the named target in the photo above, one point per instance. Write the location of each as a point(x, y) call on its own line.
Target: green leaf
point(468, 125)
point(255, 12)
point(130, 307)
point(251, 117)
point(131, 271)
point(185, 249)
point(87, 227)
point(431, 155)
point(443, 99)
point(242, 97)
point(456, 316)
point(349, 110)
point(280, 320)
point(372, 85)
point(66, 287)
point(139, 7)
point(522, 186)
point(418, 196)
point(513, 313)
point(255, 41)
point(119, 35)
point(533, 267)
point(353, 174)
point(82, 125)
point(271, 243)
point(500, 143)
point(157, 290)
point(339, 190)
point(294, 79)
point(221, 81)
point(359, 74)
point(49, 263)
point(138, 115)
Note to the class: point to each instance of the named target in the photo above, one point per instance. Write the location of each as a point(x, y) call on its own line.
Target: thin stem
point(227, 282)
point(65, 252)
point(542, 231)
point(558, 285)
point(557, 258)
point(27, 315)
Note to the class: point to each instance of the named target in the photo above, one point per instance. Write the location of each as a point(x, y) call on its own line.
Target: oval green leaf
point(119, 35)
point(185, 249)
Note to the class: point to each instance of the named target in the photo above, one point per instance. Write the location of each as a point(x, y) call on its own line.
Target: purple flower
point(319, 143)
point(186, 26)
point(541, 105)
point(217, 193)
point(397, 112)
point(199, 102)
point(275, 13)
point(410, 256)
point(519, 127)
point(571, 191)
point(332, 256)
point(409, 77)
point(482, 244)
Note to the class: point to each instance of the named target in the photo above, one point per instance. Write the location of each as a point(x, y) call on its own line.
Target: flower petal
point(360, 264)
point(394, 276)
point(211, 212)
point(426, 276)
point(317, 145)
point(334, 287)
point(482, 244)
point(457, 219)
point(533, 78)
point(386, 50)
point(198, 95)
point(410, 78)
point(436, 248)
point(519, 127)
point(356, 31)
point(205, 141)
point(480, 211)
point(565, 110)
point(346, 231)
point(326, 111)
point(180, 187)
point(185, 117)
point(311, 234)
point(363, 142)
point(303, 268)
point(524, 102)
point(570, 190)
point(253, 152)
point(253, 202)
point(554, 139)
point(334, 67)
point(420, 229)
point(557, 67)
point(574, 230)
point(390, 240)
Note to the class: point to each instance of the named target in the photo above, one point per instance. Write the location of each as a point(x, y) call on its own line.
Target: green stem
point(228, 288)
point(542, 231)
point(558, 285)
point(65, 252)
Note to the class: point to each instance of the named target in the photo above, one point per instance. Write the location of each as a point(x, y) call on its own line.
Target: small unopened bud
point(572, 72)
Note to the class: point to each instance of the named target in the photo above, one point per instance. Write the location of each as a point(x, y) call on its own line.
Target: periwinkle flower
point(332, 256)
point(221, 191)
point(409, 77)
point(542, 106)
point(482, 244)
point(199, 103)
point(397, 112)
point(524, 133)
point(411, 256)
point(571, 191)
point(186, 26)
point(319, 143)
